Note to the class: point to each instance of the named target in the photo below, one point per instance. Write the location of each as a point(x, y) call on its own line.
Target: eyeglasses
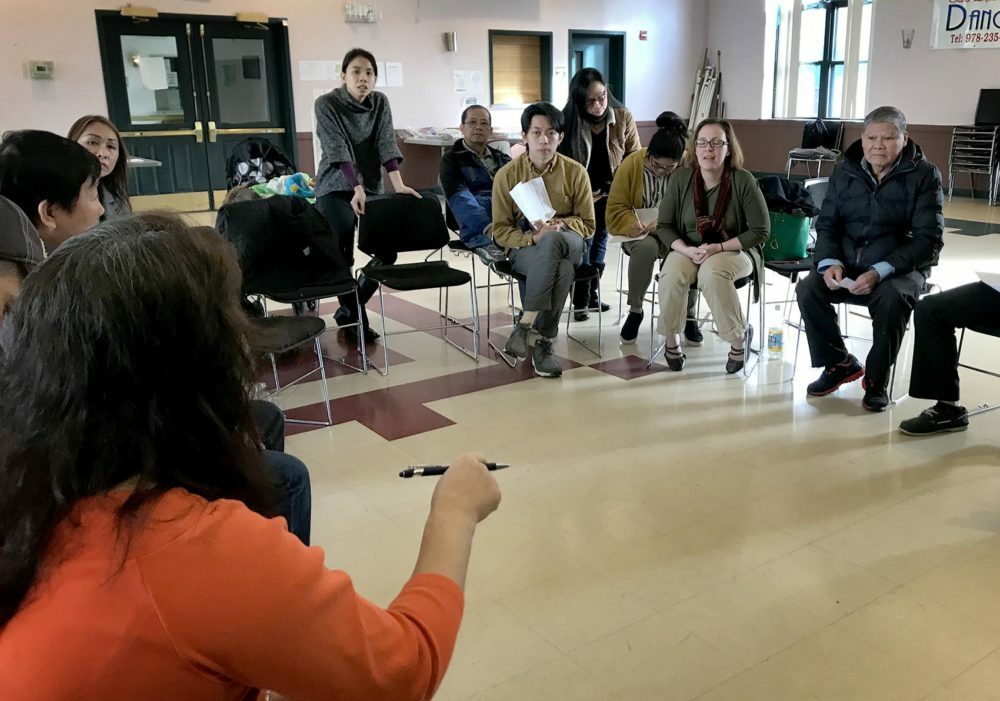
point(598, 99)
point(662, 167)
point(550, 134)
point(716, 144)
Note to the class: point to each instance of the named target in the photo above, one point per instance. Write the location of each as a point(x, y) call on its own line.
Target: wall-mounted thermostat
point(40, 70)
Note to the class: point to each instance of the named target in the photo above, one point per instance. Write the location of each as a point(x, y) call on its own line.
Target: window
point(520, 67)
point(821, 51)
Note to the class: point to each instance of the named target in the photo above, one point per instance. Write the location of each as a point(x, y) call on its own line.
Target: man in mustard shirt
point(545, 252)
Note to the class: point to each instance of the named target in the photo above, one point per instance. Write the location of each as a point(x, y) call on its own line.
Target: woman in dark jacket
point(600, 132)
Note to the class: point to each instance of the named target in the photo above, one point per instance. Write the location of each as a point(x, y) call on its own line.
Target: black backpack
point(256, 160)
point(815, 134)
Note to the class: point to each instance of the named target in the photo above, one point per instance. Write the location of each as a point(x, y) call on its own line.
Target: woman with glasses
point(639, 184)
point(714, 220)
point(600, 132)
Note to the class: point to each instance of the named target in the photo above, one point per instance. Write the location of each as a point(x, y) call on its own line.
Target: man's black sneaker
point(940, 418)
point(692, 333)
point(630, 329)
point(836, 375)
point(876, 398)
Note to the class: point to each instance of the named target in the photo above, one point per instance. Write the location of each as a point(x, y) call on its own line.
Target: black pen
point(433, 470)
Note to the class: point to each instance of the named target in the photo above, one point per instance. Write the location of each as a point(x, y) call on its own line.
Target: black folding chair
point(288, 254)
point(280, 334)
point(404, 223)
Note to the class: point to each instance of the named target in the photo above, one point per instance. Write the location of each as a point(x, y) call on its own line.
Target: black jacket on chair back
point(283, 244)
point(898, 220)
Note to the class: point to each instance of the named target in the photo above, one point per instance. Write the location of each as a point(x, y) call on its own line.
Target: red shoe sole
point(850, 378)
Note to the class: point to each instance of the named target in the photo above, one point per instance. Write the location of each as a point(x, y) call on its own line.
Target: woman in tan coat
point(600, 133)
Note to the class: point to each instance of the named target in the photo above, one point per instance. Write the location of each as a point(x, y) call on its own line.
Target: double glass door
point(184, 90)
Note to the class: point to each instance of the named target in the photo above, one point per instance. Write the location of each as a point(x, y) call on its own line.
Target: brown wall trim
point(765, 143)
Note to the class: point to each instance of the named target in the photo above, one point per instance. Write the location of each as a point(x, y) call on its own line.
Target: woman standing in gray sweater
point(354, 126)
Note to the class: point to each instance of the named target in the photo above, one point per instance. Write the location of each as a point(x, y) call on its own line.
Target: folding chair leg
point(321, 368)
point(600, 325)
point(982, 409)
point(653, 349)
point(474, 354)
point(621, 284)
point(748, 349)
point(274, 369)
point(508, 360)
point(385, 337)
point(325, 388)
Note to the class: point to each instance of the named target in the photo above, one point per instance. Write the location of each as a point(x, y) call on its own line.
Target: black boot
point(581, 292)
point(592, 302)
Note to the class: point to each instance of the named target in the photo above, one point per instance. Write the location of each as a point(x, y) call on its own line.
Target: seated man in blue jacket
point(467, 171)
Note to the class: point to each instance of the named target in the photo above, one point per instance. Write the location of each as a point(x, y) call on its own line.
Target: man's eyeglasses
point(716, 144)
point(598, 99)
point(550, 134)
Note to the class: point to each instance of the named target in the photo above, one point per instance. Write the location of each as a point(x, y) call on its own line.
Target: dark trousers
point(595, 250)
point(935, 353)
point(336, 208)
point(549, 267)
point(289, 475)
point(597, 245)
point(889, 305)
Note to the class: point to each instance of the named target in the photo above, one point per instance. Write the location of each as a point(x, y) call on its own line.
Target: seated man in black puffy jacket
point(879, 233)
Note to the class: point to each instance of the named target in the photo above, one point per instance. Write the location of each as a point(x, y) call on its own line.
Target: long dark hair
point(115, 182)
point(39, 165)
point(575, 110)
point(124, 360)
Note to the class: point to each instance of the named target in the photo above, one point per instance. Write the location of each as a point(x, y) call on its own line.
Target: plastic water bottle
point(775, 342)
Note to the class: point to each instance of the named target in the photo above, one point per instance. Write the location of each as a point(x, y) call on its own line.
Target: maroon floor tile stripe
point(398, 412)
point(628, 367)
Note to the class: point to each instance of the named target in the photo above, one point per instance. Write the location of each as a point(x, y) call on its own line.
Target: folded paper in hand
point(646, 217)
point(533, 201)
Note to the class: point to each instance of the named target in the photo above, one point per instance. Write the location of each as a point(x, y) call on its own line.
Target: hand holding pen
point(435, 470)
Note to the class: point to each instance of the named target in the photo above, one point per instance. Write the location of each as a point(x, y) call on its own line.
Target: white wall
point(930, 86)
point(660, 71)
point(736, 28)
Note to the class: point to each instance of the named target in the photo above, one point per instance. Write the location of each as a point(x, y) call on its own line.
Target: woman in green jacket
point(714, 220)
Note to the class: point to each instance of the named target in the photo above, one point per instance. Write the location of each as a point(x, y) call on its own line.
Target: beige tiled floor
point(693, 535)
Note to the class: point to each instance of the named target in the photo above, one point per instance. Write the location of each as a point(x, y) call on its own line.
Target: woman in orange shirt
point(136, 561)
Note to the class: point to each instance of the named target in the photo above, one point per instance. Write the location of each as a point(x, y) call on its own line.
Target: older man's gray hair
point(886, 115)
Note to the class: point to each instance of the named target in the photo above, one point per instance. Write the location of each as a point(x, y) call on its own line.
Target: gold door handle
point(198, 132)
point(212, 132)
point(250, 130)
